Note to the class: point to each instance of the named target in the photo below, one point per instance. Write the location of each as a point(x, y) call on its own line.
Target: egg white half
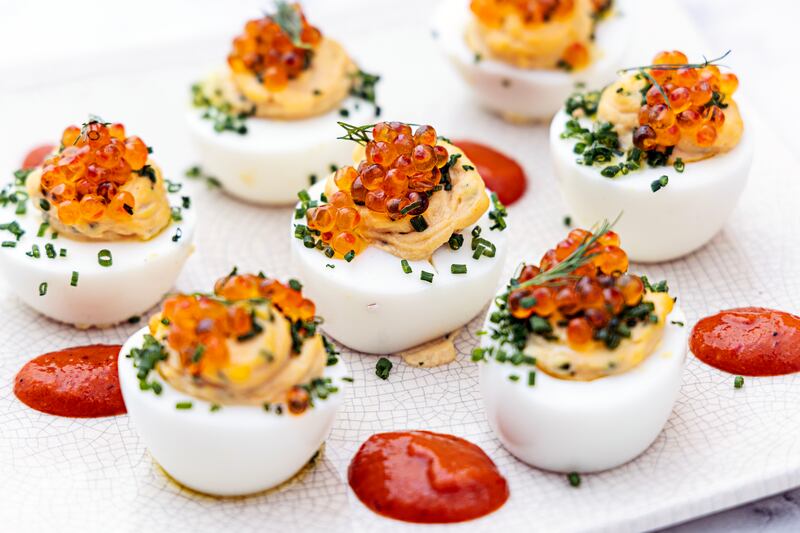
point(660, 226)
point(530, 94)
point(140, 274)
point(275, 158)
point(234, 451)
point(371, 305)
point(584, 426)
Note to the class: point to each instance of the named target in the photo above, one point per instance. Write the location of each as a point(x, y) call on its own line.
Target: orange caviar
point(693, 107)
point(533, 12)
point(83, 180)
point(275, 48)
point(401, 168)
point(199, 326)
point(492, 12)
point(587, 300)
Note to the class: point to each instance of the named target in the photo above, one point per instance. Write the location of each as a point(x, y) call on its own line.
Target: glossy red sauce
point(419, 476)
point(36, 156)
point(501, 174)
point(77, 382)
point(751, 341)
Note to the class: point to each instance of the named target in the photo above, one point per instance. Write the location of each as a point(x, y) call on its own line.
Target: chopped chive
point(74, 279)
point(9, 244)
point(186, 202)
point(104, 257)
point(348, 379)
point(128, 209)
point(738, 382)
point(198, 353)
point(304, 196)
point(175, 213)
point(62, 252)
point(659, 184)
point(34, 252)
point(406, 266)
point(478, 251)
point(330, 265)
point(178, 235)
point(165, 321)
point(679, 165)
point(183, 405)
point(383, 367)
point(676, 322)
point(349, 255)
point(43, 288)
point(135, 319)
point(295, 285)
point(574, 479)
point(458, 269)
point(42, 228)
point(419, 223)
point(531, 378)
point(456, 241)
point(568, 221)
point(215, 407)
point(426, 276)
point(513, 377)
point(44, 204)
point(50, 250)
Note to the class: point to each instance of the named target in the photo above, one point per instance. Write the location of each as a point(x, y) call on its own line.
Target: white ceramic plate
point(721, 447)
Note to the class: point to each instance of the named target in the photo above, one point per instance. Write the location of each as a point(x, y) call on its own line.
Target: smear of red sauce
point(501, 174)
point(36, 156)
point(77, 382)
point(751, 341)
point(419, 476)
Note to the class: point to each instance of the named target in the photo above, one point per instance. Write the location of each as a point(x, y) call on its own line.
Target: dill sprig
point(676, 66)
point(288, 18)
point(358, 134)
point(573, 261)
point(643, 70)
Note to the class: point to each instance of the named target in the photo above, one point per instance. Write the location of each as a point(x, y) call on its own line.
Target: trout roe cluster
point(492, 13)
point(589, 298)
point(275, 48)
point(694, 104)
point(84, 178)
point(199, 325)
point(400, 170)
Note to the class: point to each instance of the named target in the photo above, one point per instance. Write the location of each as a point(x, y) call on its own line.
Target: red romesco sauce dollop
point(420, 476)
point(500, 173)
point(79, 382)
point(752, 341)
point(36, 156)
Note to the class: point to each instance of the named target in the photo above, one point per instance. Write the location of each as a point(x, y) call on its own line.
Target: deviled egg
point(402, 248)
point(581, 361)
point(233, 392)
point(522, 58)
point(96, 235)
point(666, 144)
point(265, 125)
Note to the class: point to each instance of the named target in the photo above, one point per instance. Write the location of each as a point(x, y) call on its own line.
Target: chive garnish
point(74, 279)
point(43, 288)
point(349, 255)
point(383, 367)
point(574, 479)
point(531, 378)
point(458, 269)
point(62, 252)
point(419, 223)
point(679, 165)
point(456, 241)
point(9, 244)
point(44, 204)
point(406, 266)
point(215, 407)
point(42, 228)
point(738, 382)
point(426, 276)
point(183, 405)
point(50, 250)
point(513, 377)
point(34, 252)
point(659, 184)
point(104, 257)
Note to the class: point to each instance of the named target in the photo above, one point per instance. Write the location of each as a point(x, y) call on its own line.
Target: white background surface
point(34, 33)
